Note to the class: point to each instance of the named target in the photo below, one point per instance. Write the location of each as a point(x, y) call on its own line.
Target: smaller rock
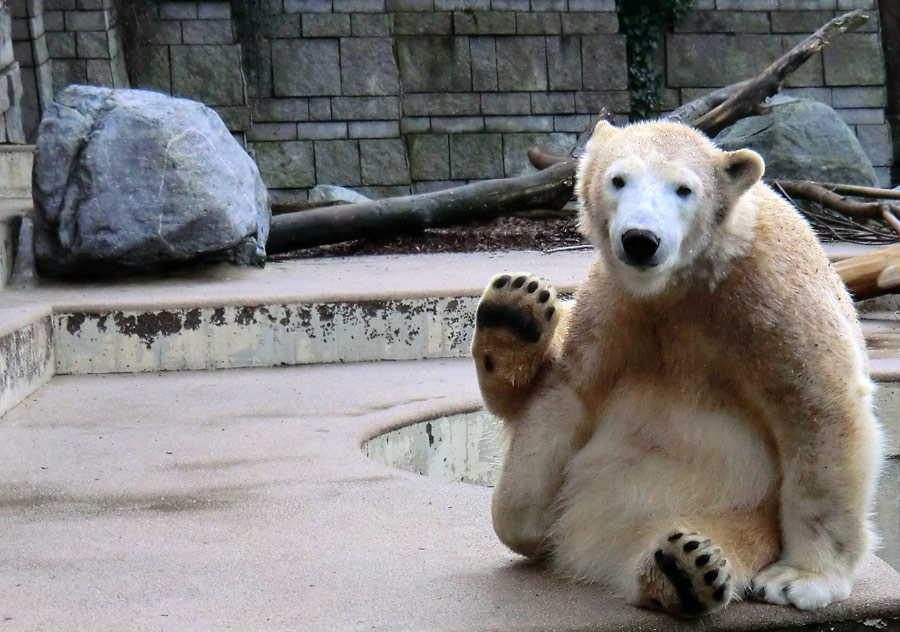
point(334, 193)
point(802, 139)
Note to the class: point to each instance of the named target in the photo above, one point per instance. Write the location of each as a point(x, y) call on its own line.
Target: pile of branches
point(837, 211)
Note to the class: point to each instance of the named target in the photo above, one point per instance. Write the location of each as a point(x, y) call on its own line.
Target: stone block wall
point(84, 42)
point(60, 42)
point(191, 50)
point(34, 88)
point(10, 84)
point(397, 96)
point(723, 41)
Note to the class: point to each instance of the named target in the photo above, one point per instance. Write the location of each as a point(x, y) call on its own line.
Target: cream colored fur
point(721, 398)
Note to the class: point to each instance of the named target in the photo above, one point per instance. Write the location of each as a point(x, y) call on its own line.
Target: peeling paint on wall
point(26, 362)
point(263, 335)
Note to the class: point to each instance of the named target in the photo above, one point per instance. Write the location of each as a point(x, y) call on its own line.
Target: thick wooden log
point(872, 274)
point(551, 188)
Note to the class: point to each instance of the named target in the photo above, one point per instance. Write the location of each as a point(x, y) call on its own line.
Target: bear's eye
point(618, 182)
point(683, 191)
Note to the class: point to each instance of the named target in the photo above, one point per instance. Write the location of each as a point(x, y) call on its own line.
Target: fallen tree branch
point(551, 188)
point(744, 99)
point(692, 110)
point(858, 191)
point(872, 274)
point(818, 193)
point(890, 218)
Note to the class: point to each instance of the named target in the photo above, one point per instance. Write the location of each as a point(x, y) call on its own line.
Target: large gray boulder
point(801, 139)
point(136, 181)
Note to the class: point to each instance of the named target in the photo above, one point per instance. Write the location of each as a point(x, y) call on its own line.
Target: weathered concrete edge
point(27, 361)
point(9, 229)
point(272, 334)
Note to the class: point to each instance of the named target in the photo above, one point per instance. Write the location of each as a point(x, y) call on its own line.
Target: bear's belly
point(656, 450)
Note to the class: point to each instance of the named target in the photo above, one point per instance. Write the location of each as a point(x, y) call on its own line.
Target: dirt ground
point(504, 233)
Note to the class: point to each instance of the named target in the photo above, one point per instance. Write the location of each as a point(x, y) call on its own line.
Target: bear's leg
point(518, 329)
point(687, 567)
point(830, 458)
point(542, 440)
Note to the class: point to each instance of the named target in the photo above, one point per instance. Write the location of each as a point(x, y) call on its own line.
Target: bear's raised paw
point(523, 304)
point(514, 326)
point(690, 577)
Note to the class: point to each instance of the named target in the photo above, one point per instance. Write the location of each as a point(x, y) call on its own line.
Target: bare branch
point(815, 192)
point(744, 99)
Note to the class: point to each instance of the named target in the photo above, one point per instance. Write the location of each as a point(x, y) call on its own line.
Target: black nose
point(640, 246)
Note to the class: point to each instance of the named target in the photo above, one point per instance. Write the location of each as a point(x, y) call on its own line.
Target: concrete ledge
point(26, 355)
point(234, 336)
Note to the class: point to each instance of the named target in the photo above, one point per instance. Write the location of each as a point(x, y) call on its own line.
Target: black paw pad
point(519, 282)
point(719, 593)
point(710, 576)
point(544, 296)
point(703, 560)
point(501, 281)
point(524, 327)
point(532, 287)
point(488, 364)
point(550, 312)
point(681, 582)
point(691, 546)
point(675, 536)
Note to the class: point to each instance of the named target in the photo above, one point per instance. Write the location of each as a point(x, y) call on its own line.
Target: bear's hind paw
point(689, 577)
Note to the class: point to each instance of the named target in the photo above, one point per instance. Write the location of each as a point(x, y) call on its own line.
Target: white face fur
point(651, 208)
point(652, 195)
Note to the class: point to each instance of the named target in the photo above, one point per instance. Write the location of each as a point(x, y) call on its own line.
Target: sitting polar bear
point(698, 424)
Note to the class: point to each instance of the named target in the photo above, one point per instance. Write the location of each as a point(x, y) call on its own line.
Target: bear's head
point(654, 195)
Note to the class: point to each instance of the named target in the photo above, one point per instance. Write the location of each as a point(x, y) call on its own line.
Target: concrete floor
point(241, 500)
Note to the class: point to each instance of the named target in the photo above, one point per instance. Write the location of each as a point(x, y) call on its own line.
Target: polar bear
point(698, 425)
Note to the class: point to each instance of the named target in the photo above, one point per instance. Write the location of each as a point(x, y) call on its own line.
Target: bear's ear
point(601, 129)
point(742, 169)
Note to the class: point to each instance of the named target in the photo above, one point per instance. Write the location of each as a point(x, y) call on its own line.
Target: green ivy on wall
point(644, 23)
